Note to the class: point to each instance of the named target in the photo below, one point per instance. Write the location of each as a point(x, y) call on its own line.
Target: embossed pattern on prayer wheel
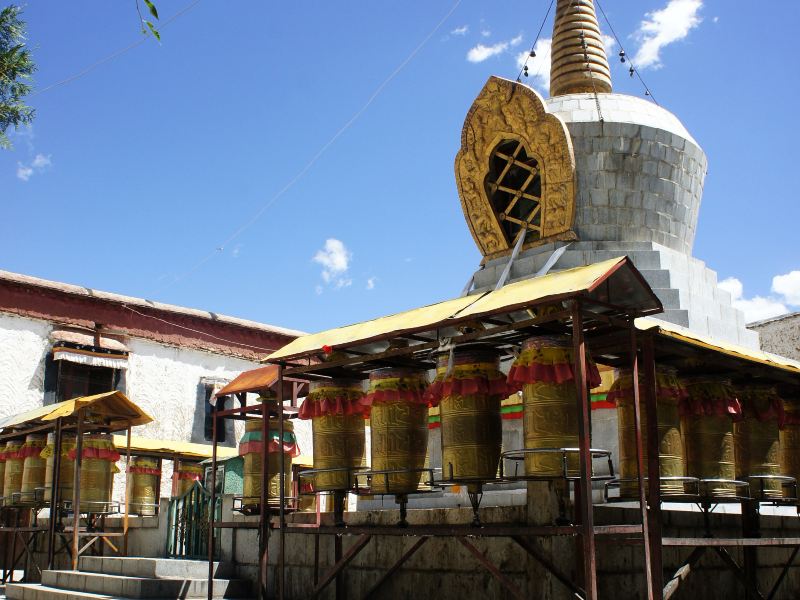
point(146, 477)
point(757, 441)
point(183, 477)
point(707, 425)
point(398, 429)
point(251, 442)
point(66, 474)
point(97, 472)
point(790, 440)
point(12, 477)
point(33, 465)
point(339, 438)
point(470, 414)
point(671, 459)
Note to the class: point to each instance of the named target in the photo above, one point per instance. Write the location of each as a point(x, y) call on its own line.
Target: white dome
point(616, 108)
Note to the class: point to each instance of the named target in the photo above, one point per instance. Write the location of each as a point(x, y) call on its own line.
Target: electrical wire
point(259, 213)
point(647, 90)
point(114, 55)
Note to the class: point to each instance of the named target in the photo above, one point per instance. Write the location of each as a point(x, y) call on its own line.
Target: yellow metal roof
point(114, 406)
point(624, 285)
point(683, 334)
point(170, 448)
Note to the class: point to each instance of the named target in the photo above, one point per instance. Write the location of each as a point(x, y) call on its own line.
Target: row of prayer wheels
point(712, 432)
point(468, 389)
point(27, 469)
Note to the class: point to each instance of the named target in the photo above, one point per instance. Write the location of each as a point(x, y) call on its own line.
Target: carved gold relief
point(509, 120)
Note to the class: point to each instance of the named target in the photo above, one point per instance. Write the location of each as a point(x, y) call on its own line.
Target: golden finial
point(578, 59)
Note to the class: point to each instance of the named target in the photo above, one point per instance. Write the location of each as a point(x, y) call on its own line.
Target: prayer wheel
point(544, 373)
point(707, 418)
point(33, 465)
point(184, 475)
point(337, 423)
point(145, 477)
point(671, 460)
point(398, 429)
point(790, 440)
point(2, 472)
point(12, 476)
point(66, 473)
point(757, 441)
point(468, 388)
point(98, 466)
point(250, 448)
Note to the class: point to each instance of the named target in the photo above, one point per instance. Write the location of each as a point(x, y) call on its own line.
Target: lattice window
point(514, 187)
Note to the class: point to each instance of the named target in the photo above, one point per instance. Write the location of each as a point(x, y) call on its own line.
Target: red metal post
point(653, 468)
point(263, 514)
point(640, 466)
point(584, 443)
point(55, 496)
point(282, 492)
point(76, 491)
point(213, 502)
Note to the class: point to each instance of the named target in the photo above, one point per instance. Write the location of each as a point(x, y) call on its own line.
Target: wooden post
point(76, 491)
point(263, 514)
point(653, 468)
point(281, 493)
point(125, 518)
point(584, 443)
point(213, 502)
point(54, 496)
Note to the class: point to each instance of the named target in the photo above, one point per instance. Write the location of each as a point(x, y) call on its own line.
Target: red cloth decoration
point(381, 396)
point(467, 387)
point(339, 405)
point(97, 453)
point(693, 406)
point(272, 446)
point(519, 375)
point(29, 452)
point(145, 470)
point(774, 410)
point(185, 475)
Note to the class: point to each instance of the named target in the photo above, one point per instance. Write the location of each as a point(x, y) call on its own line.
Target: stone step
point(152, 567)
point(37, 591)
point(143, 587)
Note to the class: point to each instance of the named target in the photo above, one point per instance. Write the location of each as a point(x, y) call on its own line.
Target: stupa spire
point(578, 59)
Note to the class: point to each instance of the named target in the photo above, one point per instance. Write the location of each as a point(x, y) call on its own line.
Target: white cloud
point(371, 283)
point(39, 163)
point(237, 250)
point(758, 308)
point(486, 33)
point(515, 41)
point(788, 286)
point(663, 27)
point(463, 30)
point(609, 43)
point(480, 52)
point(538, 66)
point(335, 260)
point(715, 20)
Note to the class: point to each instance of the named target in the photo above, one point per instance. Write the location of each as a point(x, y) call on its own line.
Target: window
point(65, 379)
point(514, 187)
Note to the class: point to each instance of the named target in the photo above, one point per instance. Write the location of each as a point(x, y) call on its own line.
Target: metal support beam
point(341, 563)
point(76, 491)
point(654, 526)
point(549, 565)
point(490, 566)
point(750, 587)
point(391, 571)
point(784, 571)
point(212, 502)
point(683, 572)
point(282, 491)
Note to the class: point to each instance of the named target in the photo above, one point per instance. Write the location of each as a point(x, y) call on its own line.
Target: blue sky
point(200, 171)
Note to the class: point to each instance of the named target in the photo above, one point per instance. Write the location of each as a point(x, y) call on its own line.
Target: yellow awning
point(692, 338)
point(169, 448)
point(113, 406)
point(614, 281)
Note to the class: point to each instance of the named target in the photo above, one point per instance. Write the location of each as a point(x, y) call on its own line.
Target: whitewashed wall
point(23, 347)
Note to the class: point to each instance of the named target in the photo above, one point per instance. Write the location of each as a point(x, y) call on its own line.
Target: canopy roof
point(260, 379)
point(611, 282)
point(171, 449)
point(114, 408)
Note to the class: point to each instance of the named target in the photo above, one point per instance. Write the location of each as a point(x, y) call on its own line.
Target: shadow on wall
point(202, 425)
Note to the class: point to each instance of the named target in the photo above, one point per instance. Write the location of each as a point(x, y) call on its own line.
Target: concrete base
point(685, 285)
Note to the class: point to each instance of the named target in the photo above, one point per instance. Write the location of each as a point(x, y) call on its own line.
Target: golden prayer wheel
point(145, 477)
point(790, 440)
point(707, 421)
point(250, 447)
point(671, 459)
point(2, 472)
point(469, 396)
point(33, 464)
point(12, 475)
point(66, 473)
point(757, 441)
point(398, 429)
point(184, 475)
point(544, 373)
point(98, 466)
point(337, 422)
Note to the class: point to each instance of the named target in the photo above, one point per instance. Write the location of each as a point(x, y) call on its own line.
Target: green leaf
point(152, 8)
point(153, 30)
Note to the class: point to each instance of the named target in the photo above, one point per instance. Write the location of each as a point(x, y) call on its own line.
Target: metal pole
point(653, 468)
point(282, 492)
point(76, 491)
point(213, 502)
point(640, 466)
point(54, 496)
point(127, 491)
point(263, 514)
point(584, 443)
